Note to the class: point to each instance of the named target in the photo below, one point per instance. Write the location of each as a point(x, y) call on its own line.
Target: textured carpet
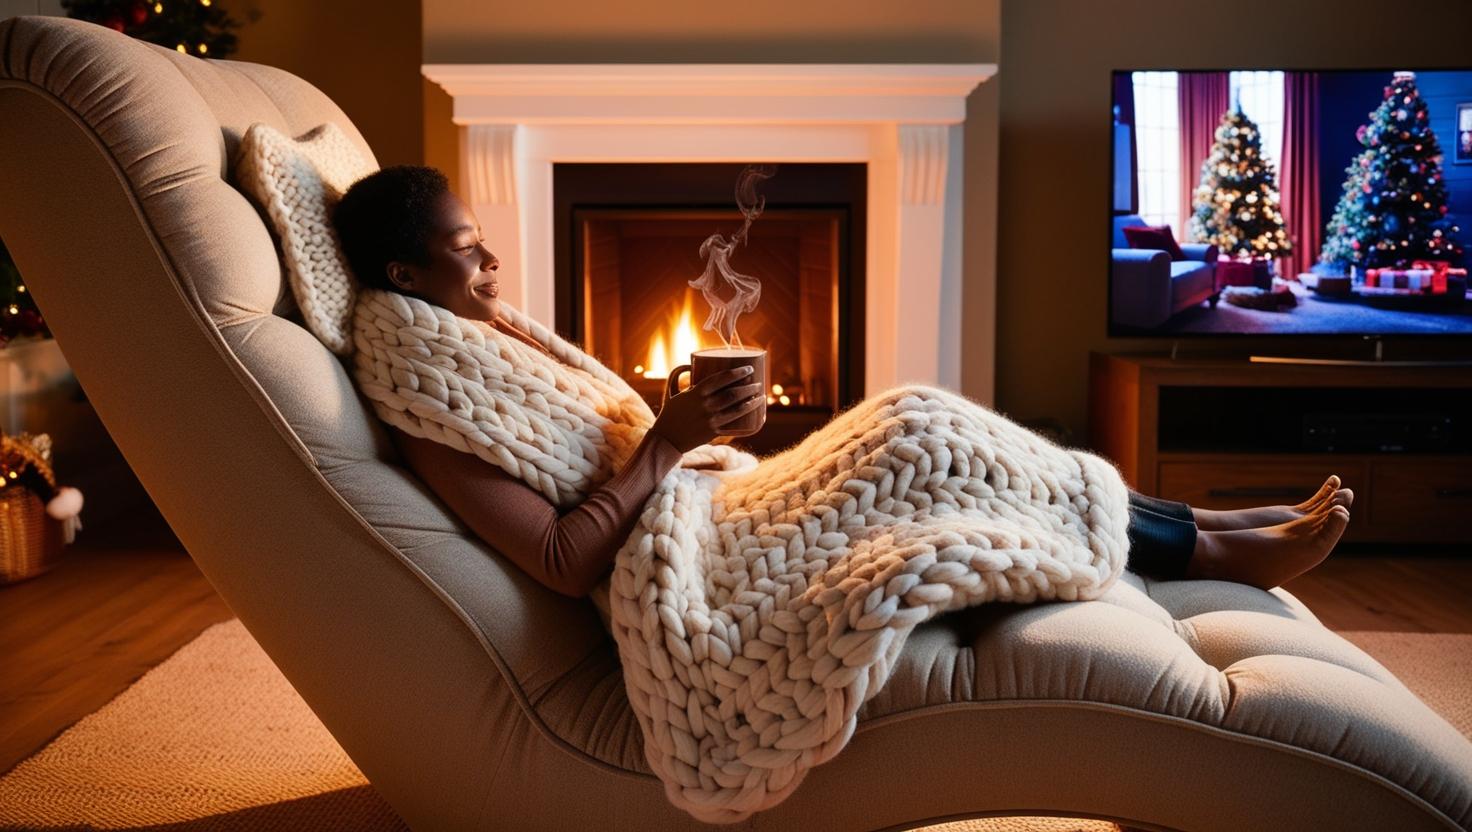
point(215, 738)
point(1315, 313)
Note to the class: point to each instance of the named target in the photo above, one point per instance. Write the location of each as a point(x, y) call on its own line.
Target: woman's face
point(461, 273)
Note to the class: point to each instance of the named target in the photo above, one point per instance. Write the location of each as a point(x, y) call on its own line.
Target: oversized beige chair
point(472, 697)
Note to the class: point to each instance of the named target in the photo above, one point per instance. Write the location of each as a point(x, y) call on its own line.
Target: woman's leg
point(1166, 542)
point(1213, 520)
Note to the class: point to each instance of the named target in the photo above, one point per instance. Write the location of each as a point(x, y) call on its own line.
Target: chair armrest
point(1140, 261)
point(1204, 252)
point(1140, 292)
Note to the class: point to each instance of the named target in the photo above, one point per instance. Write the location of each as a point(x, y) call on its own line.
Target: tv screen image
point(1254, 202)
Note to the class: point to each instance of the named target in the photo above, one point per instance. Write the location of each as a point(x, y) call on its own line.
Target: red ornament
point(140, 14)
point(30, 321)
point(114, 22)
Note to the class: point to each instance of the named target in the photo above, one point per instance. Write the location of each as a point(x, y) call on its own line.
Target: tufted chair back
point(419, 647)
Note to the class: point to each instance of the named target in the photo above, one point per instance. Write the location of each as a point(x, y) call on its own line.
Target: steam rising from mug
point(717, 250)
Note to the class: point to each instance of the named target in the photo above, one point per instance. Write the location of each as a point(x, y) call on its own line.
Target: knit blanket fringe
point(757, 605)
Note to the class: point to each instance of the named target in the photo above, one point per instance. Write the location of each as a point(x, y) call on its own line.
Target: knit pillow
point(298, 181)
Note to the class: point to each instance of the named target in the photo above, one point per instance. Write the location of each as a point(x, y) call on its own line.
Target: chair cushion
point(1190, 283)
point(1214, 659)
point(1153, 236)
point(297, 181)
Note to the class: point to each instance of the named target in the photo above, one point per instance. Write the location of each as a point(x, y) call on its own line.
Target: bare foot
point(1269, 556)
point(1256, 518)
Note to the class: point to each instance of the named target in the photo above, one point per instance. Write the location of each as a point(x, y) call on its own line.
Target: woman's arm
point(569, 553)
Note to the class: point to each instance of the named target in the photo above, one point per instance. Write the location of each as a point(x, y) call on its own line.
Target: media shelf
point(1225, 432)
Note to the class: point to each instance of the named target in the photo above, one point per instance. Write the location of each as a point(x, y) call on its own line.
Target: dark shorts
point(1162, 536)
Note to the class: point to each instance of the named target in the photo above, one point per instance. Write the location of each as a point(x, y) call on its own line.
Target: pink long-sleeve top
point(569, 552)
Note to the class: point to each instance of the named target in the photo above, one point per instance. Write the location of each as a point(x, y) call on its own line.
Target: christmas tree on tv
point(1393, 211)
point(1346, 237)
point(1236, 204)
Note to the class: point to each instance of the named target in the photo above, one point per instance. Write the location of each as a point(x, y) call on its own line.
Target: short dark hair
point(386, 216)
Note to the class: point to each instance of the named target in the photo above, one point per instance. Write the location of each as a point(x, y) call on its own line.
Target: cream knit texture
point(297, 182)
point(757, 606)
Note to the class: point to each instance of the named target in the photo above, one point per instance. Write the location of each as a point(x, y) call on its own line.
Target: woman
point(403, 230)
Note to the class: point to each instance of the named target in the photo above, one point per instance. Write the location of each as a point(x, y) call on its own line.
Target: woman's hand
point(692, 418)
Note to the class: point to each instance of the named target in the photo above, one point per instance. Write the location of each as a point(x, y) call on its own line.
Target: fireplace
point(900, 123)
point(628, 243)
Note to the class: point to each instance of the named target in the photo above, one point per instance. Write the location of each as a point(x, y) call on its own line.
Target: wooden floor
point(123, 599)
point(118, 602)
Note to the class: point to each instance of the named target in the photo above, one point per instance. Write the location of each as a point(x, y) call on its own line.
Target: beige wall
point(759, 31)
point(364, 57)
point(1054, 232)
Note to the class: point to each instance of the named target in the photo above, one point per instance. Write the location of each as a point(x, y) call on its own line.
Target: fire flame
point(682, 333)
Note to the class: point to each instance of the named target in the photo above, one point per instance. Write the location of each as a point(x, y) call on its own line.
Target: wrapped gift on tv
point(1408, 279)
point(1231, 271)
point(1442, 274)
point(1423, 276)
point(1332, 285)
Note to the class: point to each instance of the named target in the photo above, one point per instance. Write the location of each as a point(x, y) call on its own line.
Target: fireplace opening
point(628, 244)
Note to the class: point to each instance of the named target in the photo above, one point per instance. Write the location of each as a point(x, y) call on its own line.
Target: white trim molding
point(903, 120)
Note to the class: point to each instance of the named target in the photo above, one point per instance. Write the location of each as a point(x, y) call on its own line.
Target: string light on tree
point(1236, 204)
point(19, 317)
point(1393, 208)
point(193, 27)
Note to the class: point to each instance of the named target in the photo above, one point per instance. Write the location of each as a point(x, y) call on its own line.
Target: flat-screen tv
point(1254, 202)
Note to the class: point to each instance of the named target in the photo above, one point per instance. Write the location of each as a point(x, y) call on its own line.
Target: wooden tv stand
point(1261, 441)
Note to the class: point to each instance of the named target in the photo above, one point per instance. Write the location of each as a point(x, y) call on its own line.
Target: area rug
point(215, 738)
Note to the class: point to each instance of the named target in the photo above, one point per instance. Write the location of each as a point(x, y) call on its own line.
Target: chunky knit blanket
point(757, 605)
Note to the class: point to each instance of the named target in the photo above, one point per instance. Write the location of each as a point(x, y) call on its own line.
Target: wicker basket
point(30, 539)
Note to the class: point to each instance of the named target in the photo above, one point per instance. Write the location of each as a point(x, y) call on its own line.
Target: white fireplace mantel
point(903, 120)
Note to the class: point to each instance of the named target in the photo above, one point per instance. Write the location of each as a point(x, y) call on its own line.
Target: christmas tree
point(1346, 236)
point(19, 316)
point(1236, 205)
point(195, 27)
point(1398, 215)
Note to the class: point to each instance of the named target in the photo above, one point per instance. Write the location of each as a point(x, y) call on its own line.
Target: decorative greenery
point(25, 460)
point(1393, 211)
point(1236, 205)
point(194, 27)
point(19, 316)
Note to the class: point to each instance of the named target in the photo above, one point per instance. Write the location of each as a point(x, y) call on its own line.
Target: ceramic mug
point(708, 362)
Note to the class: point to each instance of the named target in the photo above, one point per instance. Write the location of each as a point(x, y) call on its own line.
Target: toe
point(1323, 495)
